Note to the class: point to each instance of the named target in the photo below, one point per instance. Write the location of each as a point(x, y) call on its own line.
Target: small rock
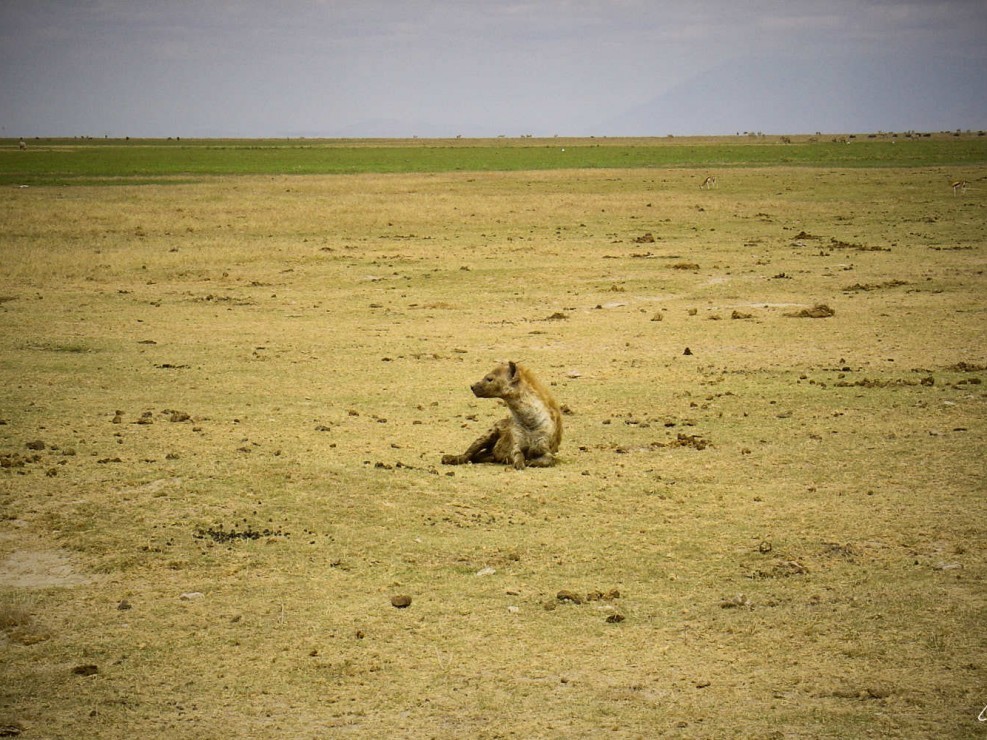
point(35, 445)
point(401, 601)
point(191, 596)
point(687, 351)
point(85, 670)
point(124, 606)
point(488, 571)
point(615, 618)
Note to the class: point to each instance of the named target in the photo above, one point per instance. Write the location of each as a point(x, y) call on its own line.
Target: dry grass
point(243, 388)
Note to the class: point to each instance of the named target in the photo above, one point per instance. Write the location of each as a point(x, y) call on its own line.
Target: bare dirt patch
point(38, 569)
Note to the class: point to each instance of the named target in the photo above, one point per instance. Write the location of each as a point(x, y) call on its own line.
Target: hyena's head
point(498, 383)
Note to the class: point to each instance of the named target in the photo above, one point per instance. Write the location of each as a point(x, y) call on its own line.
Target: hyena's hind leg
point(479, 452)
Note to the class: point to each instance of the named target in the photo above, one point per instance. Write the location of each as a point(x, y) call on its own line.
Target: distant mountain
point(802, 95)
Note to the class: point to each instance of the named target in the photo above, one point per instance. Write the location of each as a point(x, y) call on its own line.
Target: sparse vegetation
point(224, 401)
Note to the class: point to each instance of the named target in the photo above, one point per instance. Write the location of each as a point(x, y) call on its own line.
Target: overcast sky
point(251, 68)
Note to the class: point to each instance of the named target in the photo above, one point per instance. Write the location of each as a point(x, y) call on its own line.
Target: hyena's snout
point(484, 389)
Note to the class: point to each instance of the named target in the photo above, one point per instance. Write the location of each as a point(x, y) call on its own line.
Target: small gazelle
point(959, 186)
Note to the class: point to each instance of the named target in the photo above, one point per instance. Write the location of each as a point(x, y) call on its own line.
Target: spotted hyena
point(530, 436)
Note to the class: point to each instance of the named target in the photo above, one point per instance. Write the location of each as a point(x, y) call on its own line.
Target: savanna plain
point(224, 399)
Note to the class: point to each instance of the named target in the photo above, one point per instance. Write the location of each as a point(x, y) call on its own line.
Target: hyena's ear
point(512, 366)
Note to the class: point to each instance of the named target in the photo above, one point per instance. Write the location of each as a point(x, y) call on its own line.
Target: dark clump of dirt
point(220, 534)
point(835, 243)
point(819, 311)
point(874, 286)
point(966, 367)
point(892, 383)
point(14, 460)
point(647, 238)
point(686, 440)
point(401, 601)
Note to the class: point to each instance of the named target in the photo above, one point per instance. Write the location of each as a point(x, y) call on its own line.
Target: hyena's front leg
point(508, 450)
point(543, 461)
point(479, 451)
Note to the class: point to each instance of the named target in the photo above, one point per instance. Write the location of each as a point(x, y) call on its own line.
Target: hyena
point(530, 436)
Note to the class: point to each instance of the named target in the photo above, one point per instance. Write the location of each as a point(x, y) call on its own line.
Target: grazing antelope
point(959, 185)
point(22, 145)
point(709, 182)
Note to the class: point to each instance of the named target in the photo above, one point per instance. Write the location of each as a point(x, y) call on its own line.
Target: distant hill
point(801, 95)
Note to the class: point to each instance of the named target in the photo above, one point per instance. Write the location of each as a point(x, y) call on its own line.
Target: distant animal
point(708, 183)
point(959, 185)
point(22, 145)
point(530, 436)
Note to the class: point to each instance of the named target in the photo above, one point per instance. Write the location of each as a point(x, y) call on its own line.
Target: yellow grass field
point(223, 405)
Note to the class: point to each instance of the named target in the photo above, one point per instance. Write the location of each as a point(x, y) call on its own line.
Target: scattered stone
point(191, 596)
point(615, 618)
point(124, 606)
point(569, 596)
point(35, 445)
point(740, 315)
point(402, 601)
point(85, 670)
point(687, 352)
point(488, 571)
